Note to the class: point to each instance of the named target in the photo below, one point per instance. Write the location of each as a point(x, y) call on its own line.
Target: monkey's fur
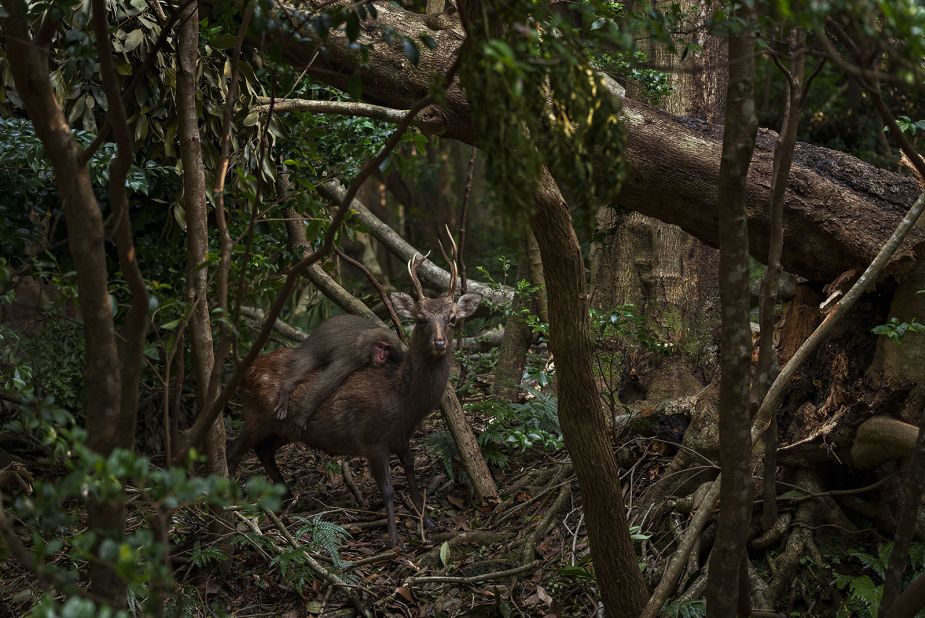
point(336, 348)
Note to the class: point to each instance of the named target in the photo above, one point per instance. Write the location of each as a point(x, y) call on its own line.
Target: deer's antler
point(451, 260)
point(413, 264)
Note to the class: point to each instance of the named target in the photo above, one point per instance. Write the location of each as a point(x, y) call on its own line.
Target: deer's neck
point(423, 377)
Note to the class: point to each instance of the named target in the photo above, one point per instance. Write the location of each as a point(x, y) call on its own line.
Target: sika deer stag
point(375, 411)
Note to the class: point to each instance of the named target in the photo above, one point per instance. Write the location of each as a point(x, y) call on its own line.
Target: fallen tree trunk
point(839, 210)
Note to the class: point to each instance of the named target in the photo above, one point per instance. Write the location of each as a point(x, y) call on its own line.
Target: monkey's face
point(383, 352)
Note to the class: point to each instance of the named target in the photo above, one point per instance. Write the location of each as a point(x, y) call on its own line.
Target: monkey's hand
point(282, 407)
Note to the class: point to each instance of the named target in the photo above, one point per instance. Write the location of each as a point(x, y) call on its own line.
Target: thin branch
point(379, 289)
point(334, 192)
point(133, 332)
point(342, 108)
point(812, 77)
point(252, 222)
point(461, 234)
point(783, 158)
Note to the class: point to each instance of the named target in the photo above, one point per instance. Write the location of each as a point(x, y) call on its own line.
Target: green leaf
point(355, 86)
point(411, 51)
point(252, 118)
point(353, 27)
point(133, 40)
point(445, 553)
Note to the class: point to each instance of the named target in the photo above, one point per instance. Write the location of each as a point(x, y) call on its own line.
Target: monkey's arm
point(302, 362)
point(323, 385)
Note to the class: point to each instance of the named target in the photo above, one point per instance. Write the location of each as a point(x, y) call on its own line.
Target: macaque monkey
point(339, 346)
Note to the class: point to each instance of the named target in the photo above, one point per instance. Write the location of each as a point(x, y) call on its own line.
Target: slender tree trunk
point(28, 61)
point(536, 277)
point(728, 557)
point(197, 231)
point(513, 356)
point(783, 158)
point(580, 414)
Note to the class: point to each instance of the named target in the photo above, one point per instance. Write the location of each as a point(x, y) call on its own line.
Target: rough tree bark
point(728, 562)
point(580, 413)
point(839, 209)
point(197, 231)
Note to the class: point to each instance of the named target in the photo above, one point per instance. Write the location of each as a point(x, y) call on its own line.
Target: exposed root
point(540, 530)
point(774, 535)
point(788, 564)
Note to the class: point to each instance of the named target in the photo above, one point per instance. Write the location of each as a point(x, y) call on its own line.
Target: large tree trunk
point(839, 210)
point(580, 412)
point(669, 275)
point(197, 231)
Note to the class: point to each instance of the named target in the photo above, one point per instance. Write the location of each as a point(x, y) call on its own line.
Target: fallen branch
point(473, 579)
point(333, 191)
point(540, 530)
point(284, 329)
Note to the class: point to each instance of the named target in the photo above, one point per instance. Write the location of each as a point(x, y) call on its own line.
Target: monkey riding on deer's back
point(374, 410)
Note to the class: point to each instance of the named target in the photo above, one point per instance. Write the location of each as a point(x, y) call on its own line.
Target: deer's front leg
point(407, 462)
point(379, 466)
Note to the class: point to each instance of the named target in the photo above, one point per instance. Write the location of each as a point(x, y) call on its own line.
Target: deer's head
point(435, 318)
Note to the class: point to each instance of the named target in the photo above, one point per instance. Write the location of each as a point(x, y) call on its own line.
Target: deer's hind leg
point(266, 452)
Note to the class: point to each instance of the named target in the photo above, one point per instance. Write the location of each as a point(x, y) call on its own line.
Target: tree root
point(472, 537)
point(540, 530)
point(774, 535)
point(799, 542)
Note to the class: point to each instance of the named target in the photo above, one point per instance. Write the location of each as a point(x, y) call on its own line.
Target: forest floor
point(525, 556)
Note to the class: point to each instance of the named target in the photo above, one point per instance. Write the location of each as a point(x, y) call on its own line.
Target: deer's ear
point(467, 304)
point(404, 304)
